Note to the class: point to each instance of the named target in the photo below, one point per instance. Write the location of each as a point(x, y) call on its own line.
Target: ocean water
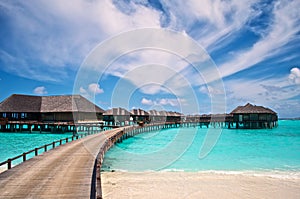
point(14, 144)
point(275, 149)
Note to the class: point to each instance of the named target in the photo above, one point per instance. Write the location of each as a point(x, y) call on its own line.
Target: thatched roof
point(117, 111)
point(139, 112)
point(155, 113)
point(68, 103)
point(164, 113)
point(21, 103)
point(47, 104)
point(249, 108)
point(174, 114)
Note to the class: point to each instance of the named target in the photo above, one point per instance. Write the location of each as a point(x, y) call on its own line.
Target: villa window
point(240, 118)
point(254, 117)
point(4, 115)
point(246, 117)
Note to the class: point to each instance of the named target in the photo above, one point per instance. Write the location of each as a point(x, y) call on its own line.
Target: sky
point(248, 51)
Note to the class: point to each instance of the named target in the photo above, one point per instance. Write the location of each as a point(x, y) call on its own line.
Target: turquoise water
point(235, 150)
point(14, 144)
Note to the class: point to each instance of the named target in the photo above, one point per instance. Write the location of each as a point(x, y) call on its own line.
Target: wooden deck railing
point(46, 147)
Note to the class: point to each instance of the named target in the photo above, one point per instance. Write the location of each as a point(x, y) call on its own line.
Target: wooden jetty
point(68, 171)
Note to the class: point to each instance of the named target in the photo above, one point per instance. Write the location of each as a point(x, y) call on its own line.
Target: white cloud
point(209, 90)
point(40, 90)
point(164, 102)
point(82, 90)
point(63, 33)
point(92, 89)
point(151, 70)
point(95, 88)
point(267, 92)
point(54, 26)
point(294, 76)
point(220, 19)
point(147, 101)
point(203, 89)
point(285, 26)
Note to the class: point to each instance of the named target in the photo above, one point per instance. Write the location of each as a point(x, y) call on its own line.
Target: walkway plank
point(64, 172)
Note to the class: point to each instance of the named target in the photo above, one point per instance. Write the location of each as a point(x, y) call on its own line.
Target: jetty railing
point(45, 148)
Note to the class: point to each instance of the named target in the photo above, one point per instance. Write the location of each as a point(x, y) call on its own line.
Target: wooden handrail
point(45, 147)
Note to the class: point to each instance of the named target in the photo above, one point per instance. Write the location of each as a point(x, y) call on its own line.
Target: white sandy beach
point(197, 185)
point(3, 168)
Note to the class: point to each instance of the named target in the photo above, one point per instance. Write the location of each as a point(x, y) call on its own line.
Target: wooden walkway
point(64, 172)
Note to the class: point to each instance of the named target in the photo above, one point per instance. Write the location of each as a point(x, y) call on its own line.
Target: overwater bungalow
point(63, 108)
point(165, 116)
point(47, 113)
point(139, 115)
point(192, 118)
point(156, 116)
point(117, 116)
point(253, 117)
point(173, 116)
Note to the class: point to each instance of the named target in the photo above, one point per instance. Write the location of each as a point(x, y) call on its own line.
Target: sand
point(3, 168)
point(198, 185)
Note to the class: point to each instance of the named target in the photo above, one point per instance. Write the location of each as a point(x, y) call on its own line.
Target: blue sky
point(255, 46)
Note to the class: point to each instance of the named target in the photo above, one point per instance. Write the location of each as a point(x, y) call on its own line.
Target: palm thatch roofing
point(165, 113)
point(174, 114)
point(117, 112)
point(48, 104)
point(21, 103)
point(155, 113)
point(249, 108)
point(139, 112)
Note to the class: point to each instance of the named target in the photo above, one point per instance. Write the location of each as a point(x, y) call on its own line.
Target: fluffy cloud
point(54, 27)
point(95, 88)
point(40, 90)
point(92, 89)
point(59, 34)
point(294, 76)
point(269, 92)
point(221, 18)
point(285, 26)
point(147, 101)
point(163, 102)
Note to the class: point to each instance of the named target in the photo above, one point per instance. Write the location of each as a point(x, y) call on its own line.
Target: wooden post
point(24, 157)
point(53, 145)
point(45, 147)
point(36, 151)
point(9, 164)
